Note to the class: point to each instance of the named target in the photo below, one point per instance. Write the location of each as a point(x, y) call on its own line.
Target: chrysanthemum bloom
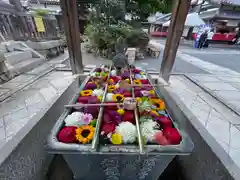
point(149, 129)
point(97, 92)
point(128, 132)
point(84, 134)
point(67, 134)
point(86, 92)
point(75, 119)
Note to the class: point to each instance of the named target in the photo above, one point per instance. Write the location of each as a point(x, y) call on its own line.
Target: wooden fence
point(28, 27)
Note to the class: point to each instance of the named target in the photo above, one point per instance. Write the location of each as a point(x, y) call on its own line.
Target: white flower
point(109, 97)
point(97, 92)
point(113, 72)
point(75, 119)
point(93, 74)
point(148, 130)
point(128, 132)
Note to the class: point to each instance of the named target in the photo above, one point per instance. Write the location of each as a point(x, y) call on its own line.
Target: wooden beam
point(71, 27)
point(175, 31)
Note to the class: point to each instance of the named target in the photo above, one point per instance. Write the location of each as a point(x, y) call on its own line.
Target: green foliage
point(41, 12)
point(103, 36)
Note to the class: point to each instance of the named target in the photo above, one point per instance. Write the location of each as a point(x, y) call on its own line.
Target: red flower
point(137, 71)
point(129, 116)
point(165, 122)
point(144, 81)
point(172, 135)
point(108, 128)
point(127, 94)
point(160, 139)
point(67, 134)
point(88, 99)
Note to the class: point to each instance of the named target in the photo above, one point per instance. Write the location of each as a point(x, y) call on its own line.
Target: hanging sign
point(39, 24)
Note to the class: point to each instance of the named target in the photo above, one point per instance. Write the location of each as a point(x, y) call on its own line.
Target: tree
point(143, 8)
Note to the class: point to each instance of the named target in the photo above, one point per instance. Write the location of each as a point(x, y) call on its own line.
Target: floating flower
point(137, 81)
point(127, 80)
point(117, 97)
point(86, 93)
point(100, 98)
point(128, 132)
point(160, 139)
point(75, 119)
point(139, 100)
point(154, 113)
point(145, 106)
point(152, 92)
point(90, 85)
point(113, 73)
point(138, 76)
point(125, 75)
point(158, 104)
point(144, 81)
point(109, 97)
point(172, 135)
point(127, 94)
point(142, 72)
point(108, 128)
point(145, 93)
point(111, 88)
point(149, 129)
point(111, 81)
point(84, 134)
point(129, 117)
point(143, 119)
point(98, 70)
point(120, 111)
point(116, 139)
point(165, 122)
point(98, 92)
point(67, 134)
point(87, 118)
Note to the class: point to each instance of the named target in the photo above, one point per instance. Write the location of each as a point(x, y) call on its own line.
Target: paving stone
point(228, 95)
point(3, 91)
point(234, 139)
point(1, 122)
point(219, 129)
point(49, 93)
point(205, 78)
point(21, 78)
point(219, 86)
point(16, 116)
point(235, 156)
point(230, 79)
point(43, 68)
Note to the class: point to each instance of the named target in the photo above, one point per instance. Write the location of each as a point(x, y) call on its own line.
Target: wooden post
point(71, 27)
point(175, 31)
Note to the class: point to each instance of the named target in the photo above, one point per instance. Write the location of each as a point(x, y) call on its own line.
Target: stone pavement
point(217, 124)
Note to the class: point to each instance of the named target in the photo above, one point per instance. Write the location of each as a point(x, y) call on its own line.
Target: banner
point(39, 24)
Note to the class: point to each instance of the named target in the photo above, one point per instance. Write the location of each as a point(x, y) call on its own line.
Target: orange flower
point(137, 81)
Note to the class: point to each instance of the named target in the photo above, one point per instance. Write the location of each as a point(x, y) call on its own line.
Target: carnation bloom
point(97, 92)
point(67, 134)
point(75, 119)
point(149, 129)
point(128, 132)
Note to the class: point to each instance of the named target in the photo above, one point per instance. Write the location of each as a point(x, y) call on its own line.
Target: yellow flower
point(120, 111)
point(139, 100)
point(84, 134)
point(142, 73)
point(116, 139)
point(137, 81)
point(127, 80)
point(155, 112)
point(100, 98)
point(86, 92)
point(158, 104)
point(118, 97)
point(111, 88)
point(152, 92)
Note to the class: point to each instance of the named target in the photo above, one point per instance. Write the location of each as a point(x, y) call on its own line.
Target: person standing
point(202, 39)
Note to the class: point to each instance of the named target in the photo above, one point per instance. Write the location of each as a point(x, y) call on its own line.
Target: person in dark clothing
point(202, 39)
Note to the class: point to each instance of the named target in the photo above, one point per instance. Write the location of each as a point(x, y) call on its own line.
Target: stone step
point(15, 57)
